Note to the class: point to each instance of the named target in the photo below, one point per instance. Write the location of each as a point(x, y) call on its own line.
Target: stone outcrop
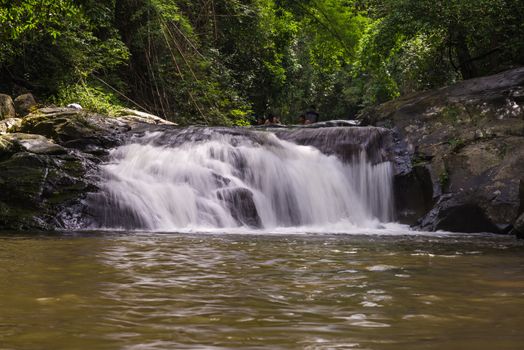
point(49, 165)
point(460, 153)
point(346, 142)
point(76, 129)
point(38, 181)
point(7, 107)
point(25, 104)
point(134, 116)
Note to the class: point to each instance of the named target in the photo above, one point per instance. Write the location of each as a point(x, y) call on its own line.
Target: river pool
point(261, 291)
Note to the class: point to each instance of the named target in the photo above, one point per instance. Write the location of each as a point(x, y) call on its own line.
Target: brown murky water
point(169, 291)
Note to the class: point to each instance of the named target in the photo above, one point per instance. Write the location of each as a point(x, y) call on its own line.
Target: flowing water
point(204, 178)
point(252, 291)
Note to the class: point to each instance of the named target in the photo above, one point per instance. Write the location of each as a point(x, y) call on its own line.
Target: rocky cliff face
point(459, 154)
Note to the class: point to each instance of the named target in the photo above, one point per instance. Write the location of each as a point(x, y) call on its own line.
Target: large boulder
point(469, 138)
point(342, 141)
point(78, 129)
point(414, 194)
point(7, 107)
point(458, 214)
point(39, 181)
point(25, 104)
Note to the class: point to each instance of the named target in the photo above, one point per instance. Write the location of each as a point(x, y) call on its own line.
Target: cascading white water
point(216, 179)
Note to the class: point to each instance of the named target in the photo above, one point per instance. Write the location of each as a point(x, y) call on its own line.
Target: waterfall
point(205, 178)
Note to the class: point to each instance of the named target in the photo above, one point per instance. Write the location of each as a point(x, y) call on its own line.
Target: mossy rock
point(60, 126)
point(7, 107)
point(22, 177)
point(35, 188)
point(7, 148)
point(471, 137)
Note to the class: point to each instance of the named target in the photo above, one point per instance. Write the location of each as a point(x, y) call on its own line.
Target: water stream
point(203, 179)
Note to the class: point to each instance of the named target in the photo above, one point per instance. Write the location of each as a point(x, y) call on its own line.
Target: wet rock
point(333, 123)
point(458, 214)
point(49, 167)
point(470, 138)
point(518, 227)
point(7, 107)
point(36, 187)
point(413, 193)
point(25, 104)
point(344, 142)
point(241, 205)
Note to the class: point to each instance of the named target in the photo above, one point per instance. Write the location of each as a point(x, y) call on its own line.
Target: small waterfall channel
point(232, 178)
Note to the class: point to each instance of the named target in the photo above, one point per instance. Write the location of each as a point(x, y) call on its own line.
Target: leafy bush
point(92, 98)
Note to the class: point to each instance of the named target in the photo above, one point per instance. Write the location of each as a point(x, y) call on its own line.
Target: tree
point(446, 39)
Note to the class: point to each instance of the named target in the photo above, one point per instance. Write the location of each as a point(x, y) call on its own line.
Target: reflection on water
point(261, 292)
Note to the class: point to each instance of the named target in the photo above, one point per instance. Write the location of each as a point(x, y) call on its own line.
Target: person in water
point(272, 120)
point(311, 115)
point(302, 119)
point(260, 120)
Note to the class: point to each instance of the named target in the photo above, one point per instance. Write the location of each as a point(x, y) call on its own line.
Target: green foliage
point(218, 62)
point(47, 44)
point(456, 144)
point(92, 98)
point(21, 18)
point(444, 179)
point(452, 113)
point(425, 44)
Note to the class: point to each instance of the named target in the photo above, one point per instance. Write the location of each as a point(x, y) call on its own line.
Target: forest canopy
point(220, 62)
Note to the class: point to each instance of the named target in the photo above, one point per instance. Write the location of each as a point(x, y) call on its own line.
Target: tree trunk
point(466, 65)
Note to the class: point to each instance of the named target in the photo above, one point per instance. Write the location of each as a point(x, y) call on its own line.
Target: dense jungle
point(225, 62)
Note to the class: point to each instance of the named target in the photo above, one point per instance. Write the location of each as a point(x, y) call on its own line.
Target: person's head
point(312, 107)
point(271, 118)
point(261, 120)
point(302, 119)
